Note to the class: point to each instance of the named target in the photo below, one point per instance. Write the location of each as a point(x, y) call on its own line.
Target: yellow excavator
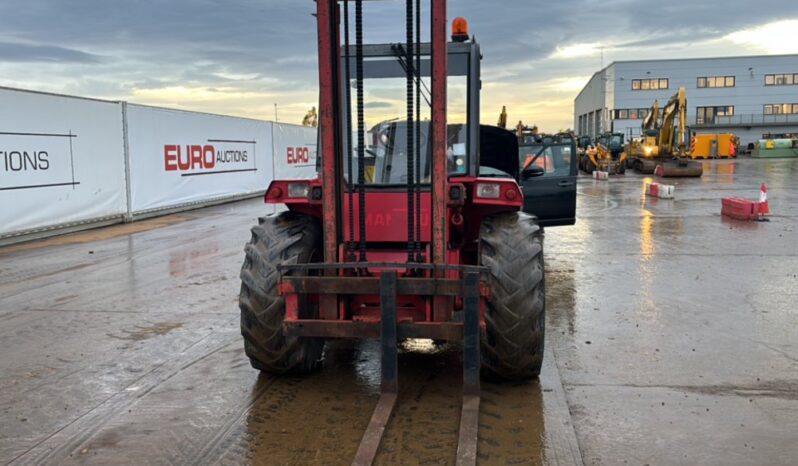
point(311, 119)
point(503, 118)
point(523, 132)
point(645, 146)
point(663, 141)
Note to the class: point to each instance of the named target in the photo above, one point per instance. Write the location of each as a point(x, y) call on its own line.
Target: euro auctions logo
point(214, 157)
point(298, 155)
point(185, 158)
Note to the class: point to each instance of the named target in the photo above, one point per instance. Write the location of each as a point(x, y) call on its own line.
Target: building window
point(630, 113)
point(715, 81)
point(781, 109)
point(652, 84)
point(784, 79)
point(706, 115)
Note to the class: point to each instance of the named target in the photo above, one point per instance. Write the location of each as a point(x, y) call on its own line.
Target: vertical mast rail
point(419, 168)
point(411, 149)
point(361, 130)
point(350, 181)
point(439, 138)
point(325, 14)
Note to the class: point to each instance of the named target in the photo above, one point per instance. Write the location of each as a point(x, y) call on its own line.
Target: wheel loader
point(608, 155)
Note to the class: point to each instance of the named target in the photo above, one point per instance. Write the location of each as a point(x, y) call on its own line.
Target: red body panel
point(388, 223)
point(386, 232)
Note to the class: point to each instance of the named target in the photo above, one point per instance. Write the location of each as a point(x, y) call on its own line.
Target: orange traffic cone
point(763, 200)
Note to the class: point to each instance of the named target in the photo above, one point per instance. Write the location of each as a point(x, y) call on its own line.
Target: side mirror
point(533, 171)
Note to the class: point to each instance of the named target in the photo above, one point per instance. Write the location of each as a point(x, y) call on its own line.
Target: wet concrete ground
point(673, 331)
point(676, 330)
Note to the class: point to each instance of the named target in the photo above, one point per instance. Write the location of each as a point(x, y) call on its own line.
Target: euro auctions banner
point(61, 160)
point(294, 152)
point(178, 157)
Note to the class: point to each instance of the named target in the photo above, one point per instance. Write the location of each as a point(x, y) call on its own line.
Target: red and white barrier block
point(662, 191)
point(744, 209)
point(597, 175)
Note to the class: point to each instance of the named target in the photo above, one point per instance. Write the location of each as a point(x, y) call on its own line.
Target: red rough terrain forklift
point(414, 227)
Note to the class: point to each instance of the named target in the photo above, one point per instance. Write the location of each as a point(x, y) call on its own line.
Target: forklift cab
point(473, 149)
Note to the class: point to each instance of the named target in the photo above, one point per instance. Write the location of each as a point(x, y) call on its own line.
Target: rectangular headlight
point(297, 190)
point(489, 190)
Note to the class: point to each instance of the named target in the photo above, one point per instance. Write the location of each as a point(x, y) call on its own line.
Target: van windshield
point(554, 159)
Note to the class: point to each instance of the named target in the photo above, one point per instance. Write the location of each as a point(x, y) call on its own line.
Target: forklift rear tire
point(511, 246)
point(287, 238)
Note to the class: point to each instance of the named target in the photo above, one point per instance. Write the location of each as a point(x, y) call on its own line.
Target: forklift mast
point(333, 126)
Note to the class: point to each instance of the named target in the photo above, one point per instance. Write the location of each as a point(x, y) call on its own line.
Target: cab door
point(548, 178)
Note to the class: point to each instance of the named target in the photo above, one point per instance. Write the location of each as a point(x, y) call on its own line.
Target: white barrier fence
point(67, 163)
point(179, 158)
point(61, 161)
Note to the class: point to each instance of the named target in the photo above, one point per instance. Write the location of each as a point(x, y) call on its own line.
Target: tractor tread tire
point(511, 246)
point(288, 238)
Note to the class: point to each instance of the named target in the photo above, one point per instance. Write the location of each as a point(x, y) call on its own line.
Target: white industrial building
point(752, 96)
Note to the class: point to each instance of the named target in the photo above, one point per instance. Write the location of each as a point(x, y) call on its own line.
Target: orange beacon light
point(459, 29)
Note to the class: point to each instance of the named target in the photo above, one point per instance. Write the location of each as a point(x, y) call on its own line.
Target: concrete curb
point(562, 447)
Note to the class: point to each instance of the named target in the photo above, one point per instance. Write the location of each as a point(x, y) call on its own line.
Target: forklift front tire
point(287, 238)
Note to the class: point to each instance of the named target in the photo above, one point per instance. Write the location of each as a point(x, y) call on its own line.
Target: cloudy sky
point(240, 57)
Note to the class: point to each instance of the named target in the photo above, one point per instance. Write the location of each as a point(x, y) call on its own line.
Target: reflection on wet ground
point(671, 329)
point(322, 417)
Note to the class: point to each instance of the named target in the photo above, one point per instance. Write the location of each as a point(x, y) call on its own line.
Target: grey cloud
point(378, 104)
point(14, 52)
point(137, 44)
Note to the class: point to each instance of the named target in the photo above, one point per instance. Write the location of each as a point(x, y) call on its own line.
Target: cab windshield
point(386, 152)
point(386, 148)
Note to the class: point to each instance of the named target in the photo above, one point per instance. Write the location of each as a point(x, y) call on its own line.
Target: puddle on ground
point(144, 333)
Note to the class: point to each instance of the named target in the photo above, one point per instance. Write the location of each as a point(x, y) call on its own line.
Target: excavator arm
point(675, 108)
point(652, 118)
